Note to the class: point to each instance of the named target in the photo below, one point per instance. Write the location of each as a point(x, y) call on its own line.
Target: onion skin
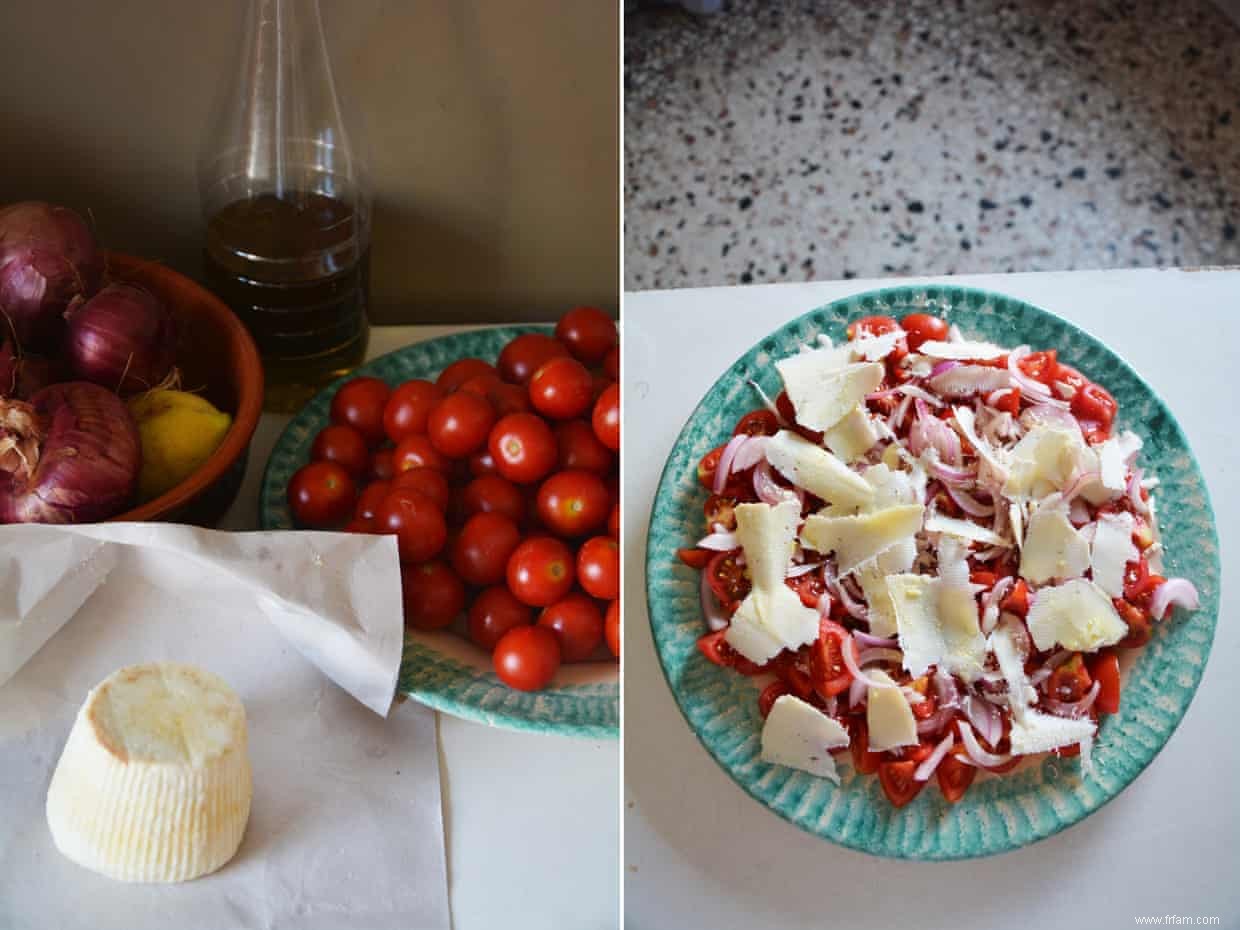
point(48, 260)
point(123, 338)
point(88, 459)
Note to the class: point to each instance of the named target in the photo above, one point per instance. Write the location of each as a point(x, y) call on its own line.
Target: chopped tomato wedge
point(1093, 402)
point(1040, 366)
point(770, 694)
point(864, 761)
point(898, 782)
point(809, 587)
point(1070, 681)
point(1104, 668)
point(695, 558)
point(828, 671)
point(954, 776)
point(757, 423)
point(1138, 619)
point(984, 578)
point(1069, 378)
point(716, 648)
point(1017, 600)
point(793, 670)
point(708, 466)
point(726, 578)
point(1007, 401)
point(721, 510)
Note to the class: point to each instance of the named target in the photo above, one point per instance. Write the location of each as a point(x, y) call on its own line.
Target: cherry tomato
point(321, 494)
point(1067, 381)
point(770, 694)
point(416, 451)
point(433, 596)
point(525, 354)
point(573, 503)
point(611, 628)
point(1007, 400)
point(459, 424)
point(1140, 629)
point(613, 521)
point(540, 571)
point(1041, 366)
point(588, 332)
point(461, 371)
point(727, 579)
point(427, 481)
point(527, 658)
point(482, 385)
point(561, 389)
point(720, 511)
point(1017, 600)
point(523, 447)
point(695, 558)
point(493, 494)
point(480, 553)
point(606, 418)
point(611, 364)
point(828, 671)
point(898, 782)
point(864, 761)
point(343, 445)
point(381, 465)
point(872, 326)
point(757, 423)
point(407, 409)
point(1095, 404)
point(715, 647)
point(493, 613)
point(922, 327)
point(418, 523)
point(370, 499)
point(598, 568)
point(580, 448)
point(359, 403)
point(954, 777)
point(1104, 669)
point(708, 466)
point(577, 623)
point(1069, 681)
point(358, 525)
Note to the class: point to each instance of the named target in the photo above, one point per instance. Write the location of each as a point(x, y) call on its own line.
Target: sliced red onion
point(854, 667)
point(765, 487)
point(950, 475)
point(879, 654)
point(1017, 630)
point(751, 452)
point(712, 610)
point(869, 640)
point(943, 367)
point(855, 609)
point(968, 503)
point(724, 467)
point(985, 717)
point(1078, 512)
point(935, 722)
point(768, 403)
point(1079, 484)
point(897, 416)
point(945, 689)
point(912, 390)
point(993, 398)
point(1174, 592)
point(796, 571)
point(857, 689)
point(719, 542)
point(929, 432)
point(824, 606)
point(1074, 708)
point(975, 751)
point(1051, 415)
point(926, 769)
point(991, 600)
point(1035, 390)
point(1134, 491)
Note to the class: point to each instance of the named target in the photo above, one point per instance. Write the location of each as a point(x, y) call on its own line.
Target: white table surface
point(701, 853)
point(531, 822)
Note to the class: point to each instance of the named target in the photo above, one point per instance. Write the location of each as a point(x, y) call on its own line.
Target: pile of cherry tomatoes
point(501, 485)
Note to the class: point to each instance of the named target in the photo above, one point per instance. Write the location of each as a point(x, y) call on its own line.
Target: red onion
point(71, 455)
point(985, 717)
point(1174, 592)
point(724, 467)
point(926, 769)
point(1036, 391)
point(942, 368)
point(719, 542)
point(976, 753)
point(712, 610)
point(945, 689)
point(1074, 708)
point(935, 722)
point(991, 600)
point(768, 403)
point(854, 667)
point(123, 338)
point(796, 571)
point(1078, 485)
point(855, 608)
point(968, 503)
point(929, 432)
point(912, 390)
point(749, 453)
point(877, 642)
point(1134, 491)
point(48, 259)
point(857, 691)
point(879, 654)
point(898, 414)
point(950, 475)
point(768, 491)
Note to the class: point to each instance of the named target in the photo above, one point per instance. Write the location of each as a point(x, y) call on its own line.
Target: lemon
point(179, 431)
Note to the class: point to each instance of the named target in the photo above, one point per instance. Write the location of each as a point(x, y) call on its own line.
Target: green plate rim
point(574, 710)
point(797, 785)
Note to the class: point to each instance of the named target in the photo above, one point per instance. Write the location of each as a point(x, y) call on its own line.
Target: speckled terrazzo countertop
point(791, 141)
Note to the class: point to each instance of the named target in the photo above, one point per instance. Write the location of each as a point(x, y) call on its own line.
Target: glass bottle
point(286, 198)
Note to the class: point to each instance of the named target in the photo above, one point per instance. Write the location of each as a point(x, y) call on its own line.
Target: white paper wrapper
point(346, 825)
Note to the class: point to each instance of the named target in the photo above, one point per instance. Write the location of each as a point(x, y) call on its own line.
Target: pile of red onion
point(72, 345)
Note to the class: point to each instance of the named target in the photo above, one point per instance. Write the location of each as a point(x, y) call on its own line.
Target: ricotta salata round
point(154, 781)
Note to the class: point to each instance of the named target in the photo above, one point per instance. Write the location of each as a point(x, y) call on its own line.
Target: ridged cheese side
point(138, 820)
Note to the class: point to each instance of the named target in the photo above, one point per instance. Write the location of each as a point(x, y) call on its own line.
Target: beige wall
point(493, 127)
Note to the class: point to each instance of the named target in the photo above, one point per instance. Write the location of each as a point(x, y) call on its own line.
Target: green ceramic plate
point(444, 670)
point(998, 813)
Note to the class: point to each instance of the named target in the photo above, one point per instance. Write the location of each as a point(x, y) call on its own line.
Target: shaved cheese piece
point(853, 436)
point(1011, 661)
point(800, 736)
point(1038, 732)
point(815, 469)
point(1111, 465)
point(937, 625)
point(888, 716)
point(1077, 615)
point(1017, 520)
point(821, 390)
point(882, 612)
point(963, 529)
point(899, 558)
point(769, 620)
point(857, 539)
point(872, 348)
point(1046, 459)
point(890, 485)
point(1112, 550)
point(961, 351)
point(953, 561)
point(1053, 548)
point(968, 426)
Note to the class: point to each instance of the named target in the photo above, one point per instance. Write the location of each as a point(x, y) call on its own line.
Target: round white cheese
point(154, 782)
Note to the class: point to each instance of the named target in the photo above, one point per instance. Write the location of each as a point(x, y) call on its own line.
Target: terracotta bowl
point(216, 356)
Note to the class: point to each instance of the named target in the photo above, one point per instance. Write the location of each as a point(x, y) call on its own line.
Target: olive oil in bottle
point(286, 200)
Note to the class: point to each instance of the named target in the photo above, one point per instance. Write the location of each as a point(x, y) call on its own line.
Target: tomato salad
point(500, 484)
point(934, 551)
